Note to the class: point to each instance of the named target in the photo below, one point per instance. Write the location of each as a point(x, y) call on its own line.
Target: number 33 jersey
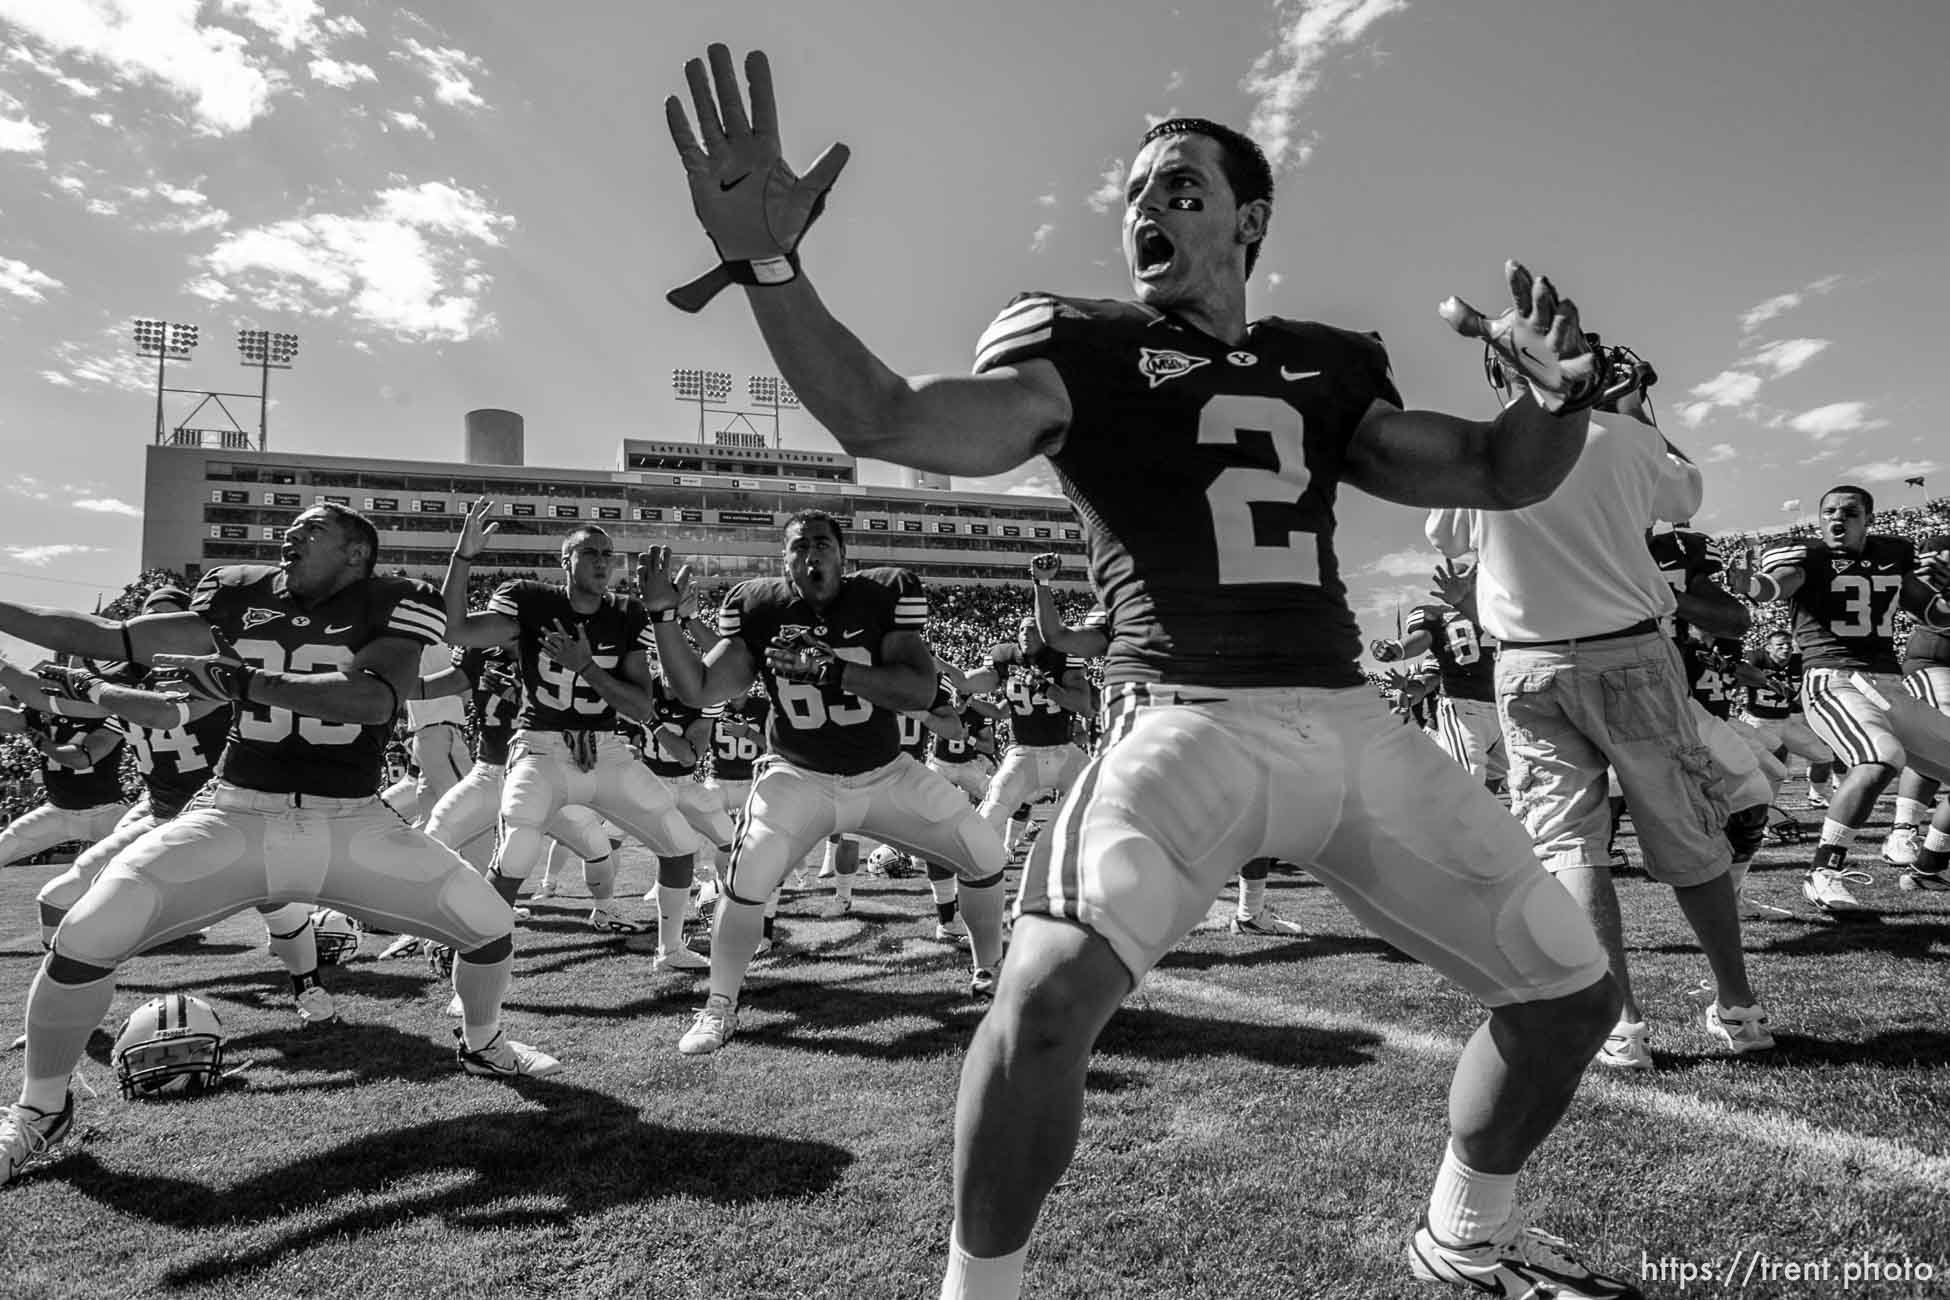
point(275, 749)
point(1206, 475)
point(556, 699)
point(831, 731)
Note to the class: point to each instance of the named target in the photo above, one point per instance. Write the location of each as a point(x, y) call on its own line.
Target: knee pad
point(66, 970)
point(492, 951)
point(287, 921)
point(599, 873)
point(1746, 829)
point(64, 890)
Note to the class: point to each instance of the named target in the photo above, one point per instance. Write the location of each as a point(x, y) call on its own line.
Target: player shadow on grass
point(1233, 951)
point(1900, 1051)
point(582, 1152)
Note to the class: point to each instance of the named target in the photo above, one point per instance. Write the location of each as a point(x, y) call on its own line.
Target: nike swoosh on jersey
point(1294, 376)
point(334, 631)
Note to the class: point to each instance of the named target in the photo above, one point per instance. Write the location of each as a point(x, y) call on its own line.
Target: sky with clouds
point(458, 205)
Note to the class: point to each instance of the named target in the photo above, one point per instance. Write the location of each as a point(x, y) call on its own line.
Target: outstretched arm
point(481, 627)
point(69, 631)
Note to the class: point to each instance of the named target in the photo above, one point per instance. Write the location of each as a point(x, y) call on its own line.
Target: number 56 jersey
point(830, 731)
point(1206, 476)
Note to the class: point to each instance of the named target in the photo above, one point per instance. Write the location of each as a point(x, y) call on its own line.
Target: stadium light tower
point(771, 391)
point(267, 351)
point(704, 387)
point(166, 341)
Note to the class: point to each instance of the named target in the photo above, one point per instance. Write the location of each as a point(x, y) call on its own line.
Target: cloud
point(1836, 417)
point(340, 75)
point(291, 23)
point(210, 289)
point(1110, 188)
point(41, 556)
point(162, 41)
point(1788, 355)
point(52, 71)
point(1040, 240)
point(410, 122)
point(1046, 200)
point(1284, 77)
point(23, 281)
point(1719, 453)
point(108, 506)
point(1411, 563)
point(343, 26)
point(19, 133)
point(1729, 388)
point(448, 69)
point(1760, 313)
point(26, 485)
point(107, 363)
point(405, 264)
point(1881, 471)
point(1176, 81)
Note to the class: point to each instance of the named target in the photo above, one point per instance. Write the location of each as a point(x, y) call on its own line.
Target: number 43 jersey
point(1845, 612)
point(283, 752)
point(832, 731)
point(556, 699)
point(1206, 475)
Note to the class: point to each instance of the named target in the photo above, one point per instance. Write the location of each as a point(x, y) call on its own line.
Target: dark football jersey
point(1205, 476)
point(1844, 615)
point(1034, 718)
point(176, 762)
point(1465, 656)
point(1781, 698)
point(1710, 684)
point(557, 699)
point(1682, 555)
point(494, 693)
point(1927, 647)
point(827, 730)
point(961, 751)
point(79, 787)
point(732, 755)
point(669, 711)
point(282, 752)
point(914, 731)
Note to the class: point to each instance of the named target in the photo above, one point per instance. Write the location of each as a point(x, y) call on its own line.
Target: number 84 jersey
point(1205, 475)
point(832, 731)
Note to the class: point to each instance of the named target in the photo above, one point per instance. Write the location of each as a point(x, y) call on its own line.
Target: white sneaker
point(546, 889)
point(1899, 849)
point(1744, 1029)
point(610, 921)
point(835, 907)
point(1816, 799)
point(1913, 881)
point(1627, 1047)
point(981, 985)
point(1516, 1260)
point(504, 1058)
point(315, 1006)
point(454, 1008)
point(1267, 921)
point(1827, 889)
point(404, 945)
point(712, 1028)
point(955, 932)
point(682, 958)
point(27, 1135)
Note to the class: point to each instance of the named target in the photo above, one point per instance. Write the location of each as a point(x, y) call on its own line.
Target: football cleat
point(338, 936)
point(1816, 799)
point(835, 907)
point(315, 1006)
point(503, 1058)
point(440, 960)
point(955, 932)
point(1744, 1029)
point(1517, 1262)
point(547, 890)
point(1900, 846)
point(981, 984)
point(1267, 921)
point(404, 945)
point(1827, 889)
point(27, 1136)
point(712, 1028)
point(1913, 881)
point(170, 1045)
point(682, 958)
point(609, 921)
point(1627, 1047)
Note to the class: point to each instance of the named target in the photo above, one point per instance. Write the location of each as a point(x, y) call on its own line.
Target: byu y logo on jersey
point(1161, 364)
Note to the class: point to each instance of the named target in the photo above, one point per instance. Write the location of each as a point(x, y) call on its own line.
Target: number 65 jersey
point(282, 752)
point(1206, 475)
point(830, 731)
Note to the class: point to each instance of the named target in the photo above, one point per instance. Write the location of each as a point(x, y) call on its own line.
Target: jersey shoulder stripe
point(1025, 323)
point(507, 597)
point(1783, 556)
point(1426, 618)
point(234, 577)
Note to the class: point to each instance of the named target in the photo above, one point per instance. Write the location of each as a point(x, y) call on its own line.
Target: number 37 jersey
point(1845, 612)
point(1205, 475)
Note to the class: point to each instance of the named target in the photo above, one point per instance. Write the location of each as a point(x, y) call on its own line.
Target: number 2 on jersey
point(1295, 557)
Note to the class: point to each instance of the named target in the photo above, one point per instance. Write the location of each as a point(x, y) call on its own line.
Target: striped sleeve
point(1097, 620)
point(1424, 619)
point(713, 711)
point(1791, 556)
point(206, 591)
point(1022, 331)
point(504, 601)
point(731, 619)
point(910, 602)
point(418, 617)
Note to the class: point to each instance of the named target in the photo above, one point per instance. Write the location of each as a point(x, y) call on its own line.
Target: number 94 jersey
point(832, 731)
point(556, 699)
point(1205, 476)
point(274, 749)
point(1845, 612)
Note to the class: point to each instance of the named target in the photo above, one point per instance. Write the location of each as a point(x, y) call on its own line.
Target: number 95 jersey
point(1205, 475)
point(556, 699)
point(832, 731)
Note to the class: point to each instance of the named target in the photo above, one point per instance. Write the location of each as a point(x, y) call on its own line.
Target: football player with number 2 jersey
point(1204, 453)
point(583, 657)
point(841, 655)
point(1843, 592)
point(313, 655)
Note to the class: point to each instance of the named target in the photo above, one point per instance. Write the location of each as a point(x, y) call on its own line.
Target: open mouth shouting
point(1154, 251)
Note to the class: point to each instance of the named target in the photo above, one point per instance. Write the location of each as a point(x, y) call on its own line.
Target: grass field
point(1264, 1118)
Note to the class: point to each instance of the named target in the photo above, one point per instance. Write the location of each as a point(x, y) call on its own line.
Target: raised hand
point(1538, 340)
point(1045, 567)
point(1452, 583)
point(1385, 651)
point(1738, 575)
point(475, 529)
point(750, 202)
point(657, 587)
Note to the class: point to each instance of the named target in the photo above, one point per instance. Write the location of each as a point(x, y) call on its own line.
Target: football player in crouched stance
point(841, 655)
point(1204, 452)
point(313, 655)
